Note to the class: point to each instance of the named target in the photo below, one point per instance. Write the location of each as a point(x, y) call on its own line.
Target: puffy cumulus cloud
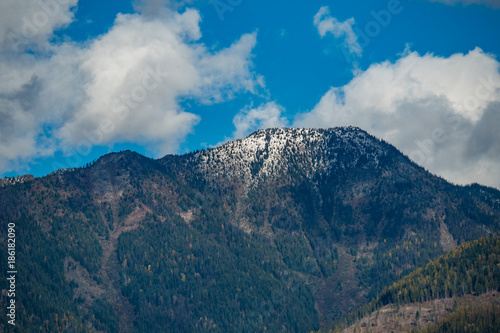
point(15, 120)
point(325, 23)
point(137, 73)
point(440, 111)
point(36, 95)
point(31, 23)
point(268, 115)
point(489, 3)
point(125, 86)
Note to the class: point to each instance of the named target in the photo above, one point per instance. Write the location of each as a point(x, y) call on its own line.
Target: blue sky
point(83, 78)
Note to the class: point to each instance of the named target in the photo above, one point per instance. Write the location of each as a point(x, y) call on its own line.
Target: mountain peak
point(306, 131)
point(278, 152)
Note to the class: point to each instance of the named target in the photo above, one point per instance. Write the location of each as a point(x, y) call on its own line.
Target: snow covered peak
point(276, 152)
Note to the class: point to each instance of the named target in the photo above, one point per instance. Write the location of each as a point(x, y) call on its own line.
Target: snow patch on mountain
point(274, 152)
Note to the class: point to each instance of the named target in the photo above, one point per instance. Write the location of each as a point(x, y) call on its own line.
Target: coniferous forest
point(472, 268)
point(284, 231)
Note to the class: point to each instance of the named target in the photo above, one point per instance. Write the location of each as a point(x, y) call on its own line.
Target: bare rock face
point(15, 180)
point(446, 239)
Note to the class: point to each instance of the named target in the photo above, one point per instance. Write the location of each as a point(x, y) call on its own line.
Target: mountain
point(456, 292)
point(285, 230)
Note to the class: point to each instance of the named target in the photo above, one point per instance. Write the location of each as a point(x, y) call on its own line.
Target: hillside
point(451, 291)
point(285, 230)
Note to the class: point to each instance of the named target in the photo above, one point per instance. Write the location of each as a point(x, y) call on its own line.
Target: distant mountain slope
point(284, 230)
point(370, 174)
point(345, 192)
point(471, 269)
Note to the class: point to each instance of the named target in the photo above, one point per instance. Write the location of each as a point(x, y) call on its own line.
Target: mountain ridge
point(309, 222)
point(349, 130)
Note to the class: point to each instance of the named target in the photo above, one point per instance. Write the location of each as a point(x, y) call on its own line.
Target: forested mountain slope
point(284, 230)
point(464, 283)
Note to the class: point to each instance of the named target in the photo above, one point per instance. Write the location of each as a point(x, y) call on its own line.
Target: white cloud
point(31, 23)
point(126, 85)
point(133, 51)
point(268, 115)
point(325, 23)
point(432, 108)
point(490, 3)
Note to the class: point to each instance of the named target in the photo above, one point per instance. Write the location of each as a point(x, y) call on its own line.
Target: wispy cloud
point(325, 23)
point(489, 3)
point(268, 115)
